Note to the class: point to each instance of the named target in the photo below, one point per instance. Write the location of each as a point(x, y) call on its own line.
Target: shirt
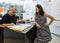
point(9, 19)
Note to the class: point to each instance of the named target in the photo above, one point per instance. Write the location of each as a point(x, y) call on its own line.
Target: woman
point(43, 32)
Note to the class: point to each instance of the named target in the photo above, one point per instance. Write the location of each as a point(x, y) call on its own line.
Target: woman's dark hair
point(41, 11)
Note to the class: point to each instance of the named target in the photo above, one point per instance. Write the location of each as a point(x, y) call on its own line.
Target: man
point(1, 33)
point(9, 19)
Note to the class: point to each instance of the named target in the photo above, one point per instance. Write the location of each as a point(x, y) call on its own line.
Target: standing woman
point(43, 32)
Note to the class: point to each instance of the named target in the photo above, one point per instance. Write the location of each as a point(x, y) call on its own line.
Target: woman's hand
point(38, 26)
point(46, 24)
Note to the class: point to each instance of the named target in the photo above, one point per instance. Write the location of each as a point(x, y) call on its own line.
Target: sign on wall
point(1, 10)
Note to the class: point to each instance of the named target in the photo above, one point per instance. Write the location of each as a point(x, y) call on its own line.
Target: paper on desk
point(20, 27)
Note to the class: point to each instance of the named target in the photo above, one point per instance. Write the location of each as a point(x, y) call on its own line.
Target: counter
point(27, 34)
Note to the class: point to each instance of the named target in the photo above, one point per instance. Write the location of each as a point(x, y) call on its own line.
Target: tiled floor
point(55, 39)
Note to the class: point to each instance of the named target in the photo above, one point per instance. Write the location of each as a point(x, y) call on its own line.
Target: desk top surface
point(22, 28)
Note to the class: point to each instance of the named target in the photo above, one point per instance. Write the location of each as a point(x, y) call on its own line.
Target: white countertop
point(22, 28)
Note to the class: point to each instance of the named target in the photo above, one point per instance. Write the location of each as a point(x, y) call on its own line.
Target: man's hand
point(18, 21)
point(2, 26)
point(11, 24)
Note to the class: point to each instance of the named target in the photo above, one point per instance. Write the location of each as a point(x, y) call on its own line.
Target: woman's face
point(37, 10)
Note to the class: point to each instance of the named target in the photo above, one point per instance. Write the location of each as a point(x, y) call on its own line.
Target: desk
point(25, 35)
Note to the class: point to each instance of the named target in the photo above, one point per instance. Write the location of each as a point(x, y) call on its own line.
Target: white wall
point(29, 6)
point(53, 9)
point(55, 27)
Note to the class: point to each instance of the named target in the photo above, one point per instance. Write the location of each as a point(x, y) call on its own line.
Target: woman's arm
point(38, 26)
point(51, 19)
point(35, 18)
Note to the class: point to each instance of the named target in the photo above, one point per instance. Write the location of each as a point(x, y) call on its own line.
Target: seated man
point(1, 33)
point(9, 18)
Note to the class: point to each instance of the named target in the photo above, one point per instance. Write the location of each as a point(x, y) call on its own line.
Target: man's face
point(13, 11)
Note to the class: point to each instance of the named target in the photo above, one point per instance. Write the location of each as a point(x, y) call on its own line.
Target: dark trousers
point(32, 34)
point(1, 35)
point(31, 41)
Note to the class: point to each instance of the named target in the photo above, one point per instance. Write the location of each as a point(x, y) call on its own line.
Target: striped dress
point(43, 34)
